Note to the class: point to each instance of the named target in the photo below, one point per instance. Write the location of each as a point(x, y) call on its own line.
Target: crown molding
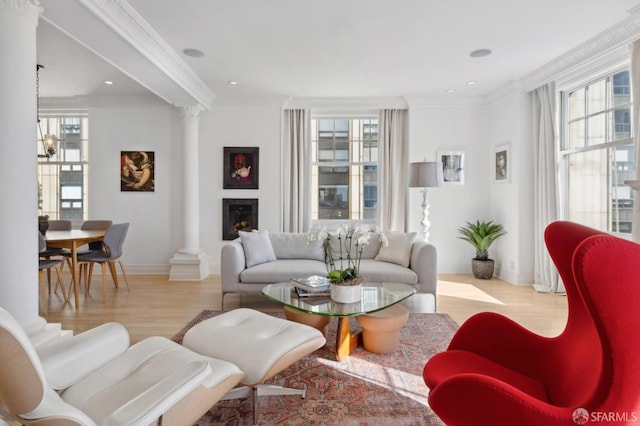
point(275, 101)
point(338, 103)
point(60, 104)
point(591, 50)
point(131, 26)
point(29, 8)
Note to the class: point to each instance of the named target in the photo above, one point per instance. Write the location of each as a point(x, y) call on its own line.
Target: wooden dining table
point(72, 240)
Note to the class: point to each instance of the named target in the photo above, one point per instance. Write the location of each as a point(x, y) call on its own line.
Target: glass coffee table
point(375, 297)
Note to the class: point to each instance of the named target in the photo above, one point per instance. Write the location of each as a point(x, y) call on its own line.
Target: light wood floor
point(156, 306)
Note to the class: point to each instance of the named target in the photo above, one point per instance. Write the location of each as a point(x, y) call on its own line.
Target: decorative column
point(18, 165)
point(190, 262)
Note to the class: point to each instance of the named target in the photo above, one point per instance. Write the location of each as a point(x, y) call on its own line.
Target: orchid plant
point(352, 239)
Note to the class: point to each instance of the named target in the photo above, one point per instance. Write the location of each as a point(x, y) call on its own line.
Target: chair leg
point(124, 273)
point(103, 269)
point(61, 283)
point(43, 294)
point(114, 273)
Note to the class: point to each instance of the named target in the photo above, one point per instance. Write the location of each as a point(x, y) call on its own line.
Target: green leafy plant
point(481, 235)
point(41, 217)
point(352, 239)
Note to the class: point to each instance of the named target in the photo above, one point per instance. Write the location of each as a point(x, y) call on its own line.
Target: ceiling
point(328, 48)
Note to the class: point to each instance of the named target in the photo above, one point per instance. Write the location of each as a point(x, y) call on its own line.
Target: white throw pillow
point(257, 247)
point(398, 250)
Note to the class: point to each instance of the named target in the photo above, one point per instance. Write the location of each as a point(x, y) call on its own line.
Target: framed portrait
point(137, 171)
point(241, 167)
point(238, 214)
point(452, 167)
point(502, 163)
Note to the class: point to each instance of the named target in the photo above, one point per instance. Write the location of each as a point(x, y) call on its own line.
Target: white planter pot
point(346, 293)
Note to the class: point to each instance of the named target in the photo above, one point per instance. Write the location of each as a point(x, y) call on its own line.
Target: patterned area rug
point(364, 389)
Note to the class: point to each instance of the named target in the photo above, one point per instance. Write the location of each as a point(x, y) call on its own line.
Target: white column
point(18, 163)
point(190, 262)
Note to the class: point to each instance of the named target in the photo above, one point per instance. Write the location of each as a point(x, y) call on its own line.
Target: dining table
point(72, 240)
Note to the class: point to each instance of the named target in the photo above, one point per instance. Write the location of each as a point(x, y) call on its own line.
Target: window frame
point(563, 149)
point(314, 184)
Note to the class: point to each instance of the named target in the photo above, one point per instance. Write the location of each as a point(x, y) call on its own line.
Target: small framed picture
point(241, 166)
point(137, 171)
point(502, 163)
point(238, 214)
point(452, 167)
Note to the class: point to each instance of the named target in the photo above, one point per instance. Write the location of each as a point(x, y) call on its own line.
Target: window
point(63, 177)
point(344, 168)
point(598, 153)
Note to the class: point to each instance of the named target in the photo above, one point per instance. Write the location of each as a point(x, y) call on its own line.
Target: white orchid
point(352, 239)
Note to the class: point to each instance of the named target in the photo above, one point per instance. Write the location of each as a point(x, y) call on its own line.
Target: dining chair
point(113, 241)
point(59, 225)
point(46, 264)
point(89, 225)
point(55, 225)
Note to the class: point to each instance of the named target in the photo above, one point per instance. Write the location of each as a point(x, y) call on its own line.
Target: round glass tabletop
point(375, 297)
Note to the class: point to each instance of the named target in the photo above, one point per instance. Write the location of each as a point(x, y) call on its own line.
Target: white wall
point(238, 125)
point(156, 218)
point(445, 126)
point(511, 203)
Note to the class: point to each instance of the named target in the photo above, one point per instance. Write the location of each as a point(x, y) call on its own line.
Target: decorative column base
point(189, 266)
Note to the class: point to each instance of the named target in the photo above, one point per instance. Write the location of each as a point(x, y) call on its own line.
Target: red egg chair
point(495, 372)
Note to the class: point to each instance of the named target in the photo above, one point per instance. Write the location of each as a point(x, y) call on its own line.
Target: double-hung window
point(344, 168)
point(63, 178)
point(597, 153)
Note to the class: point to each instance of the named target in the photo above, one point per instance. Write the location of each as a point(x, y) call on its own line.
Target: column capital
point(29, 8)
point(193, 111)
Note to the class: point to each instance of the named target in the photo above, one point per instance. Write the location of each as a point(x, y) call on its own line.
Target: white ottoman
point(381, 330)
point(259, 344)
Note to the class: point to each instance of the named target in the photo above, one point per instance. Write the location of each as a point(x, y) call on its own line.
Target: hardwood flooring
point(156, 306)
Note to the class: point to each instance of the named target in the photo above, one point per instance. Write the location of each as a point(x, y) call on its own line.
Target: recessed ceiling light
point(108, 82)
point(471, 83)
point(194, 53)
point(451, 91)
point(479, 53)
point(233, 83)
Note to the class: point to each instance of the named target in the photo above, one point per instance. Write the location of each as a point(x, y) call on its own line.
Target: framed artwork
point(238, 214)
point(137, 171)
point(502, 163)
point(241, 167)
point(452, 167)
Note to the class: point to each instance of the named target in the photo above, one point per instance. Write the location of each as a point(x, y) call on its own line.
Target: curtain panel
point(545, 185)
point(392, 168)
point(296, 184)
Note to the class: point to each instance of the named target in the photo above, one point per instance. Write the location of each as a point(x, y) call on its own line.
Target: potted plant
point(481, 235)
point(343, 267)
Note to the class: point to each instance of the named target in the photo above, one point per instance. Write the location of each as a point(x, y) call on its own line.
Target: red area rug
point(364, 389)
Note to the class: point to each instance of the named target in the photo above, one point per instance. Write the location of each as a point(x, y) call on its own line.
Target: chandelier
point(48, 141)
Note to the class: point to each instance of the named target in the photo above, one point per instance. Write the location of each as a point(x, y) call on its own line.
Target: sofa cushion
point(376, 271)
point(292, 245)
point(257, 247)
point(398, 250)
point(282, 270)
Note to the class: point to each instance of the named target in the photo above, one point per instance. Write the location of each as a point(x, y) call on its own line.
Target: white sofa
point(295, 257)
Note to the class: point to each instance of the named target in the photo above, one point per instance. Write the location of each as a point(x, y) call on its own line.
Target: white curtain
point(296, 185)
point(545, 185)
point(392, 168)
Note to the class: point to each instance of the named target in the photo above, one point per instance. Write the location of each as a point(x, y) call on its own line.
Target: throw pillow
point(257, 247)
point(398, 250)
